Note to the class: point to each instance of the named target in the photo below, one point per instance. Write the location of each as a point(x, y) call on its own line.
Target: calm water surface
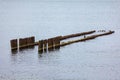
point(97, 59)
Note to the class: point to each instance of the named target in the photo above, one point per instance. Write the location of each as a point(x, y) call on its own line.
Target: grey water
point(97, 59)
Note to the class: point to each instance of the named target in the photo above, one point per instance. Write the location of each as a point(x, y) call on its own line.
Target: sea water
point(97, 59)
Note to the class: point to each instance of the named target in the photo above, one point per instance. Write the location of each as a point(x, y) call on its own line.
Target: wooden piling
point(50, 43)
point(14, 44)
point(40, 46)
point(68, 36)
point(87, 38)
point(30, 41)
point(57, 42)
point(45, 45)
point(26, 42)
point(23, 43)
point(77, 34)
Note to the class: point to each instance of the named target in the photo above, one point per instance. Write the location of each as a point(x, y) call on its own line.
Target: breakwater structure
point(55, 42)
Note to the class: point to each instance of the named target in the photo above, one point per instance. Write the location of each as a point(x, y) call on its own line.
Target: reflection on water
point(22, 49)
point(97, 59)
point(49, 51)
point(26, 48)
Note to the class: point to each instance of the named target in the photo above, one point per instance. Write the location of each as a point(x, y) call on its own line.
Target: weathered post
point(14, 44)
point(57, 42)
point(40, 46)
point(22, 43)
point(45, 45)
point(30, 41)
point(50, 44)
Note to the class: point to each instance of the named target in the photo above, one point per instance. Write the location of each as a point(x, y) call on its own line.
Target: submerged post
point(53, 43)
point(30, 41)
point(22, 43)
point(26, 42)
point(40, 46)
point(14, 44)
point(45, 45)
point(57, 42)
point(50, 44)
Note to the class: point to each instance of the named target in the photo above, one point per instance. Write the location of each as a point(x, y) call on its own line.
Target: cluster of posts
point(22, 43)
point(49, 44)
point(43, 45)
point(52, 43)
